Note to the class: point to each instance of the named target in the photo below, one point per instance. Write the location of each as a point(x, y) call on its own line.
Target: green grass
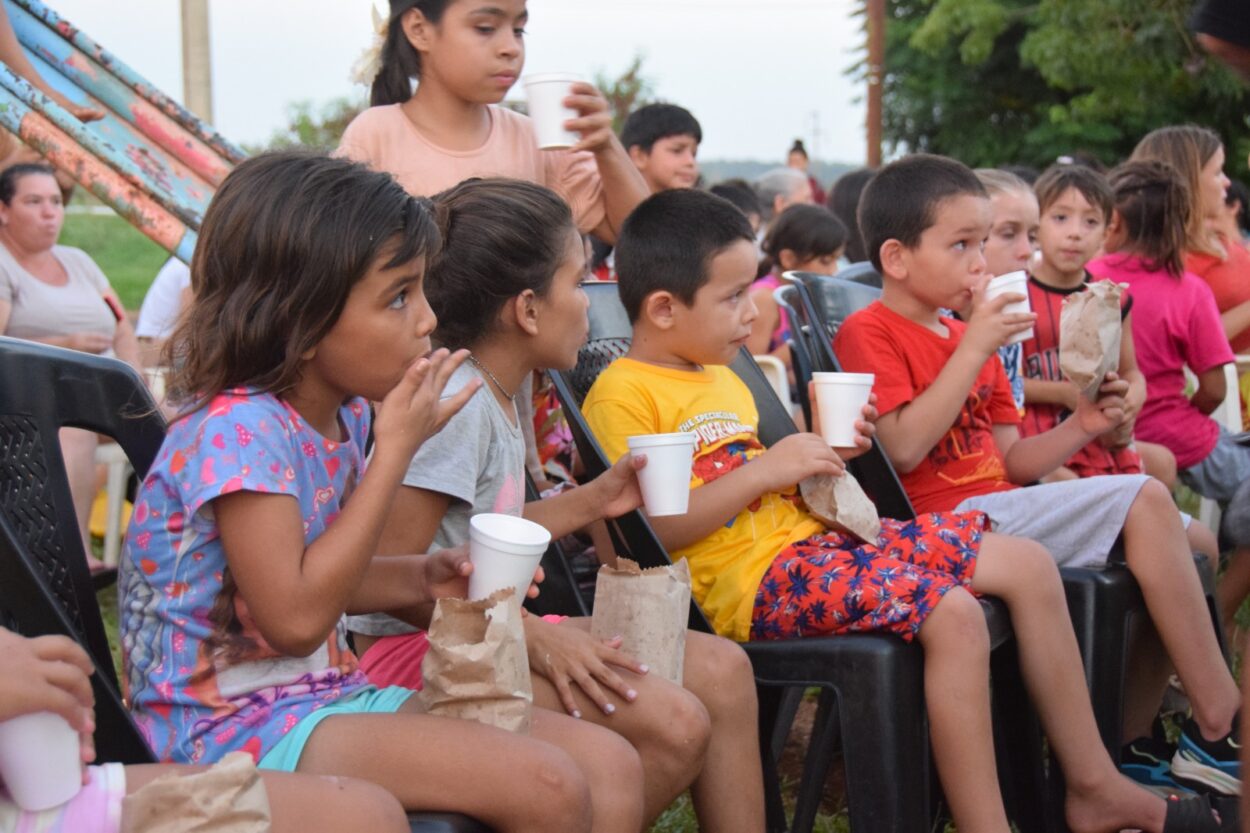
point(128, 259)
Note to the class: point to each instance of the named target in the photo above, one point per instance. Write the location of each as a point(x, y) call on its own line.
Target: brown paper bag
point(840, 504)
point(649, 610)
point(229, 797)
point(1089, 336)
point(477, 667)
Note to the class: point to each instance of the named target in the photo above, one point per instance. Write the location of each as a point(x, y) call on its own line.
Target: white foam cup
point(665, 479)
point(841, 398)
point(505, 551)
point(546, 94)
point(1018, 283)
point(40, 761)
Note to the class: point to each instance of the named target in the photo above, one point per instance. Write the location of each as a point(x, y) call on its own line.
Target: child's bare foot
point(1114, 804)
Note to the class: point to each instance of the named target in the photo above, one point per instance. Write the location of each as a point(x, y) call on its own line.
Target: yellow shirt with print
point(632, 398)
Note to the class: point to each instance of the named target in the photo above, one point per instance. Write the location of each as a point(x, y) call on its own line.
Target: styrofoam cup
point(505, 551)
point(546, 94)
point(665, 479)
point(1018, 283)
point(841, 398)
point(40, 761)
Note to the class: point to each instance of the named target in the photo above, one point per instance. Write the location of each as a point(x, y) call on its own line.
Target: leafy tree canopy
point(995, 82)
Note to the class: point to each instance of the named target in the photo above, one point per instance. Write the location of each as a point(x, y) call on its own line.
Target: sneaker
point(1148, 761)
point(1208, 765)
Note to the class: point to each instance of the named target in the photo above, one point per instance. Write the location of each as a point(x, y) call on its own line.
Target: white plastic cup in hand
point(841, 398)
point(40, 761)
point(505, 552)
point(546, 94)
point(665, 479)
point(1016, 283)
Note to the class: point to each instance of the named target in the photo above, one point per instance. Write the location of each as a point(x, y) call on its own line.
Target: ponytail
point(400, 62)
point(1154, 204)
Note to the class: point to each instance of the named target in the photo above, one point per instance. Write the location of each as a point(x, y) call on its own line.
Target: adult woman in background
point(57, 295)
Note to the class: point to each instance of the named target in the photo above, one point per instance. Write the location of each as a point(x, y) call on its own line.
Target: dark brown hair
point(1057, 179)
point(1153, 202)
point(500, 238)
point(1187, 148)
point(283, 242)
point(400, 61)
point(14, 173)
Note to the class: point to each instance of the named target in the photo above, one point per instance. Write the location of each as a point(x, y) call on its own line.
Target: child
point(256, 529)
point(1075, 205)
point(663, 142)
point(466, 57)
point(797, 159)
point(949, 426)
point(805, 238)
point(1197, 155)
point(764, 568)
point(740, 193)
point(1175, 324)
point(52, 673)
point(507, 287)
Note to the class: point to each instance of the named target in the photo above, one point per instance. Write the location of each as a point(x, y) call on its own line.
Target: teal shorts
point(369, 700)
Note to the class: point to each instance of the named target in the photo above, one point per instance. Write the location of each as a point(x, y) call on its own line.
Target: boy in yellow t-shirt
point(764, 568)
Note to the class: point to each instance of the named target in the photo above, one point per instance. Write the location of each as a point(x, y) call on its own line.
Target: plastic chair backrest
point(559, 593)
point(775, 370)
point(863, 272)
point(835, 299)
point(45, 585)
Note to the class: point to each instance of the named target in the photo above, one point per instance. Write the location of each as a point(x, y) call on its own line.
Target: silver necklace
point(509, 396)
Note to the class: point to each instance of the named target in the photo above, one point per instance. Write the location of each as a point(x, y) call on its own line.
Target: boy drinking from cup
point(951, 429)
point(763, 567)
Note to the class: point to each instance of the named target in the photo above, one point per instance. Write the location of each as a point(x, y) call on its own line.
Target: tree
point(999, 81)
point(315, 128)
point(625, 93)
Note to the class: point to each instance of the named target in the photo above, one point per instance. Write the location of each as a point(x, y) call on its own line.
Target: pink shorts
point(396, 660)
point(97, 808)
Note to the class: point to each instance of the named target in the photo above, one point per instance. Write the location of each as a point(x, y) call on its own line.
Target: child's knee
point(558, 786)
point(1033, 565)
point(369, 806)
point(956, 622)
point(1154, 500)
point(719, 673)
point(683, 727)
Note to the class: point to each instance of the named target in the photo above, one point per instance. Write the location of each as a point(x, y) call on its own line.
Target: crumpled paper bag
point(1089, 336)
point(649, 610)
point(477, 667)
point(228, 797)
point(840, 504)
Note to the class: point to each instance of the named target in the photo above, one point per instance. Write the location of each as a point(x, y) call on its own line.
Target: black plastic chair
point(45, 585)
point(863, 272)
point(836, 298)
point(560, 592)
point(1104, 602)
point(872, 685)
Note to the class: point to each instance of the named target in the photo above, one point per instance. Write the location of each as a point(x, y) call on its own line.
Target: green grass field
point(129, 259)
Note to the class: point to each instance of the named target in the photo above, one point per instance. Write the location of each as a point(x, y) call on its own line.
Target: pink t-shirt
point(1175, 324)
point(385, 140)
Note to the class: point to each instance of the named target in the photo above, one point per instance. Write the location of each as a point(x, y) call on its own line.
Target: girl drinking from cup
point(506, 286)
point(466, 56)
point(256, 529)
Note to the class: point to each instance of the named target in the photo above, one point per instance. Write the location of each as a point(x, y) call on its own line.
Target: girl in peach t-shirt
point(466, 57)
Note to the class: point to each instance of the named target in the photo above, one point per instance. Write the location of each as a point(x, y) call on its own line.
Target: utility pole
point(197, 64)
point(876, 78)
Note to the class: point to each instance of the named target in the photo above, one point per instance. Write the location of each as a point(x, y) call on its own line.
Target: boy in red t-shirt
point(951, 429)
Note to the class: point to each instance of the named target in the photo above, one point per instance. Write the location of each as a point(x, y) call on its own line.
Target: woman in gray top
point(57, 295)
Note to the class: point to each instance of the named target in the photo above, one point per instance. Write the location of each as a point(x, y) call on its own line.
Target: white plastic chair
point(112, 455)
point(1227, 414)
point(775, 372)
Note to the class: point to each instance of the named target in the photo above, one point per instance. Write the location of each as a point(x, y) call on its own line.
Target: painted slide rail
point(149, 159)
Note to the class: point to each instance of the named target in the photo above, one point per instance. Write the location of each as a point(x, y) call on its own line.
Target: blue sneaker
point(1208, 765)
point(1148, 761)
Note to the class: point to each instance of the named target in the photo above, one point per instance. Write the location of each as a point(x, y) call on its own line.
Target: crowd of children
point(329, 449)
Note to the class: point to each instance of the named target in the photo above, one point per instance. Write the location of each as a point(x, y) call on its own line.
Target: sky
point(756, 73)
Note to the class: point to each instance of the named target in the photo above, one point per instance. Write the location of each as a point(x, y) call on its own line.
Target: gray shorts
point(1223, 470)
point(1077, 520)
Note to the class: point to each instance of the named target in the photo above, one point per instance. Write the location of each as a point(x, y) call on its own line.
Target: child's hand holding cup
point(839, 402)
point(505, 551)
point(546, 93)
point(665, 479)
point(1016, 283)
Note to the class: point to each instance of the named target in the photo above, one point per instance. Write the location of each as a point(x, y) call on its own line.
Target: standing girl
point(256, 529)
point(466, 56)
point(506, 286)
